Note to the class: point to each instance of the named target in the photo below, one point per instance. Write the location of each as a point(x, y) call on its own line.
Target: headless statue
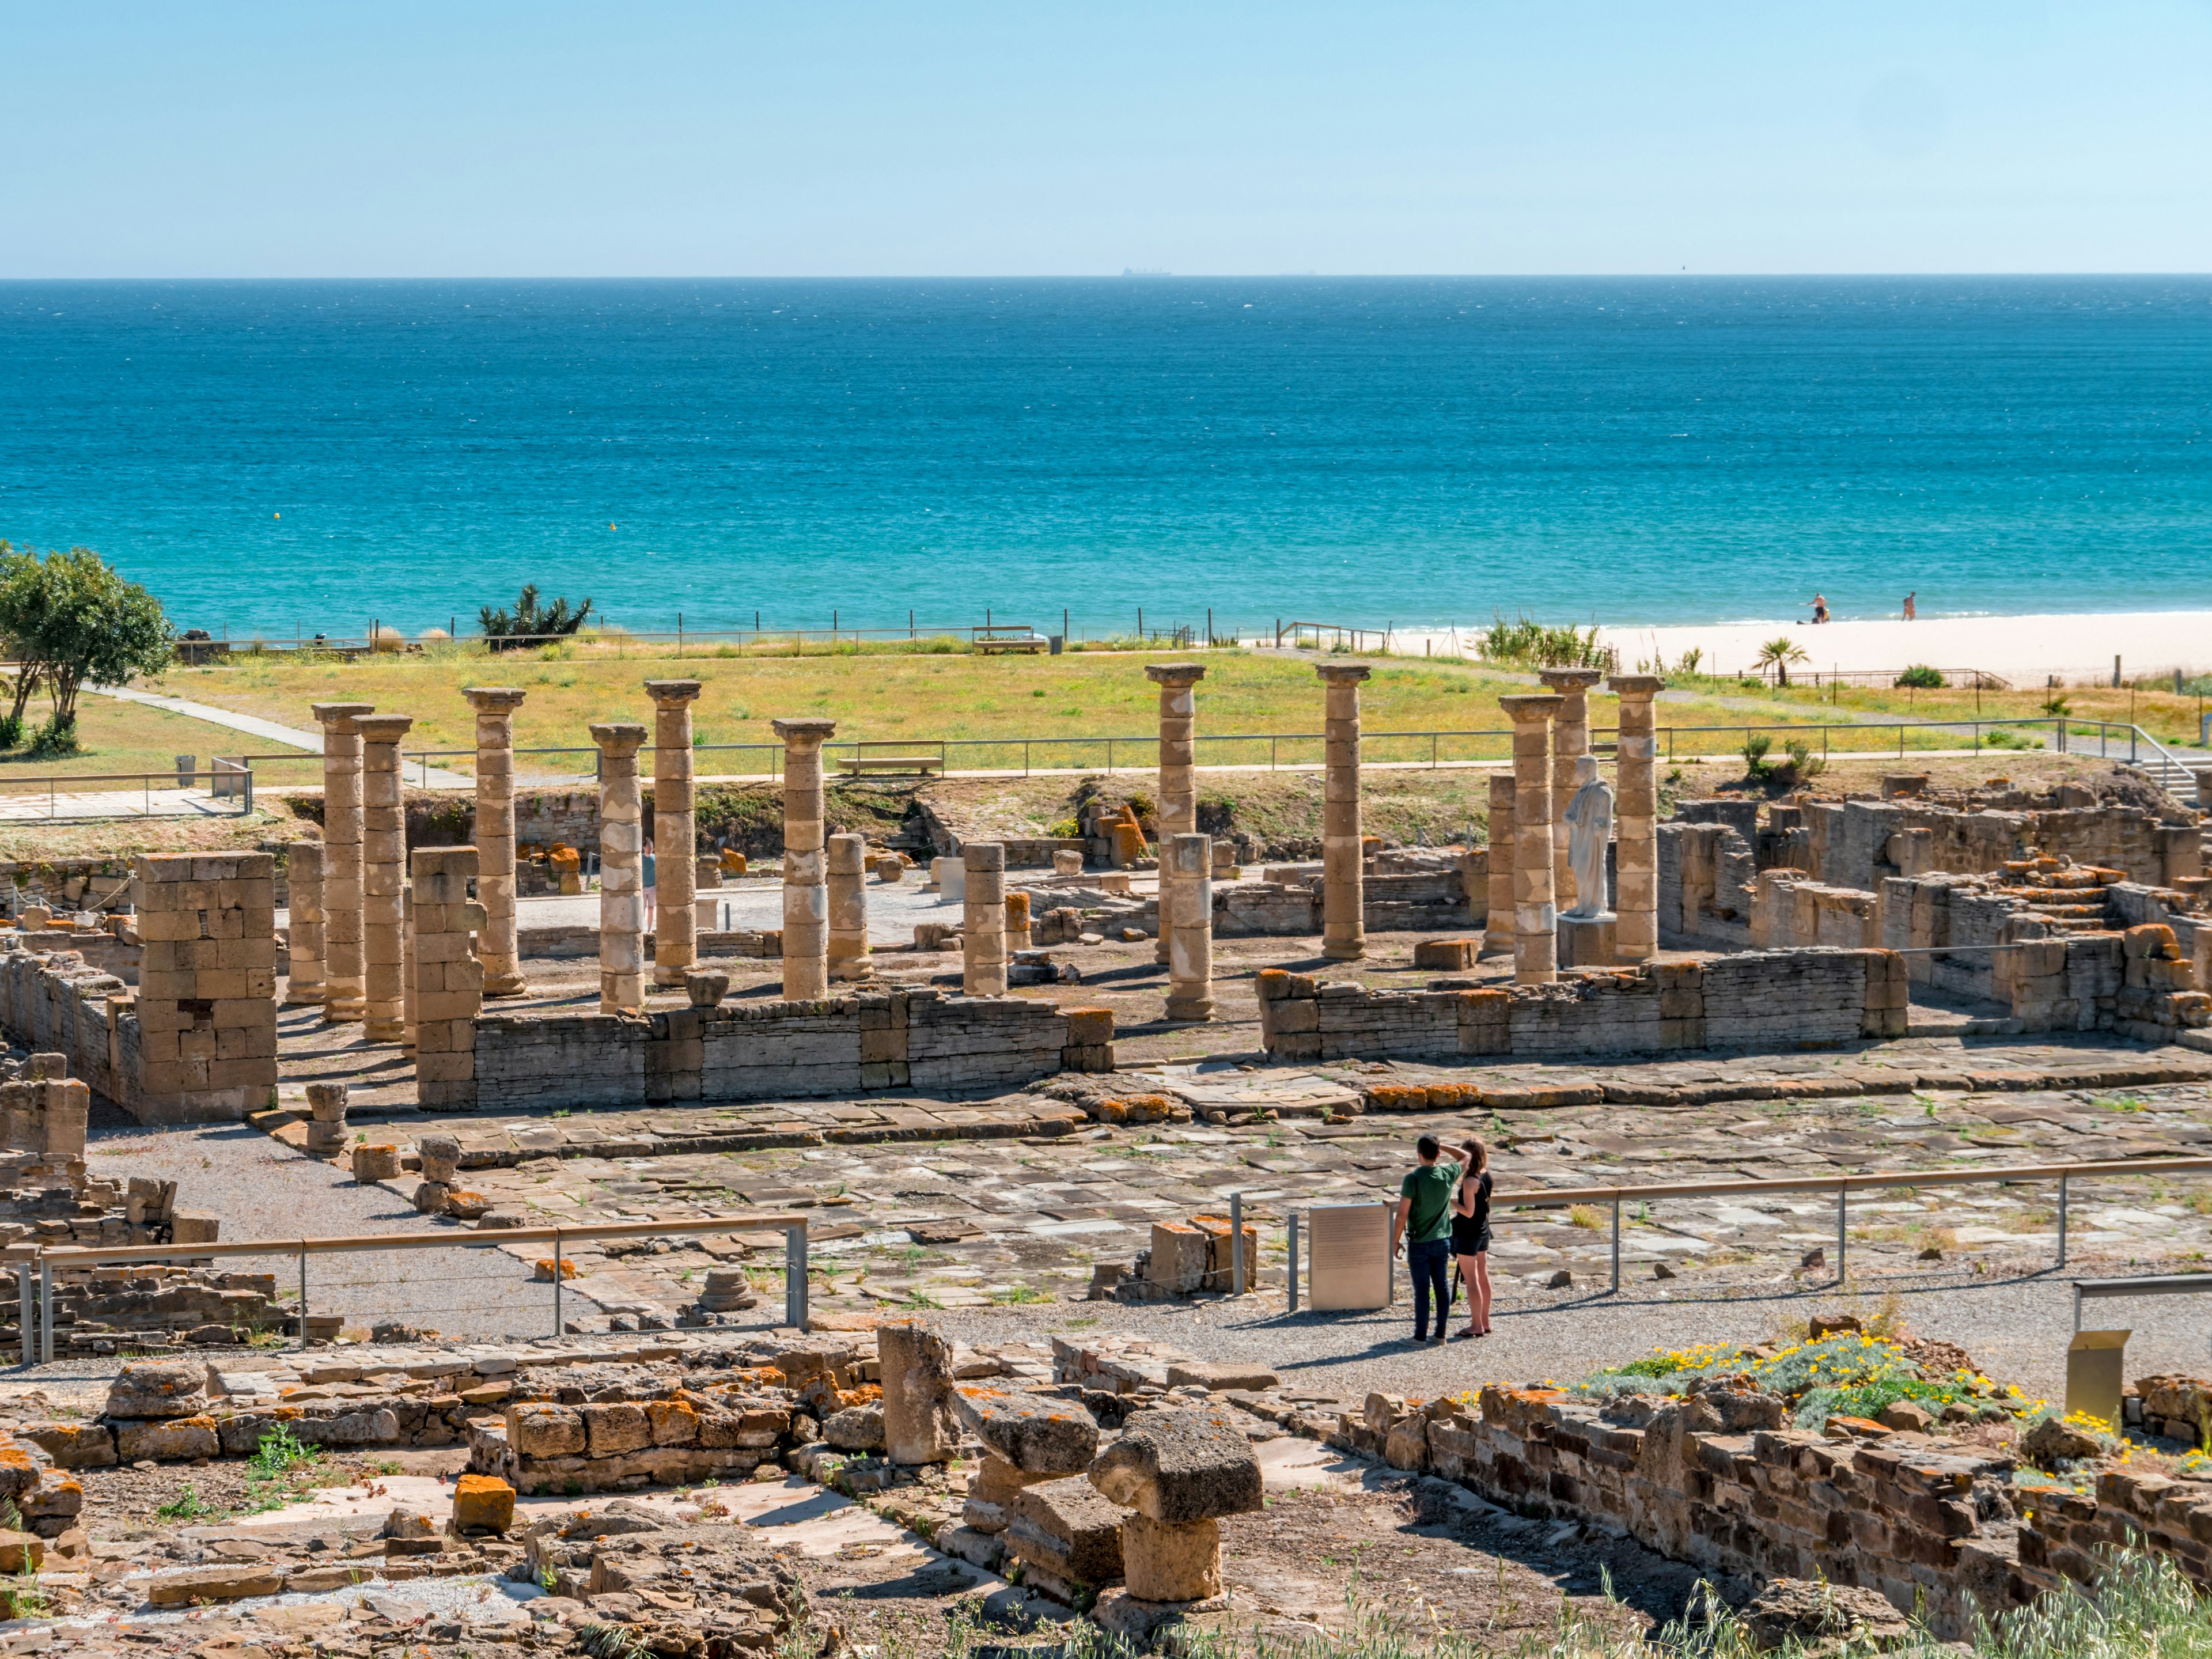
point(1589, 827)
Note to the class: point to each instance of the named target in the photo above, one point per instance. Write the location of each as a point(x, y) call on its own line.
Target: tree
point(532, 622)
point(71, 617)
point(1778, 654)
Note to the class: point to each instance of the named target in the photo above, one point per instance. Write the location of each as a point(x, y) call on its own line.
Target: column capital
point(671, 694)
point(1569, 681)
point(1635, 685)
point(383, 728)
point(1343, 673)
point(617, 739)
point(1528, 709)
point(1174, 673)
point(803, 733)
point(340, 716)
point(494, 699)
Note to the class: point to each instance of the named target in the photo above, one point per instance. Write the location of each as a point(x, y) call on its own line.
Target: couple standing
point(1443, 1211)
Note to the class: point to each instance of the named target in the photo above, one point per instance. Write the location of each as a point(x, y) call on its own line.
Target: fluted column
point(983, 919)
point(495, 838)
point(383, 875)
point(675, 832)
point(806, 896)
point(1535, 901)
point(303, 880)
point(622, 876)
point(344, 981)
point(848, 879)
point(1190, 967)
point(1636, 818)
point(1178, 808)
point(1497, 932)
point(1570, 743)
point(1343, 884)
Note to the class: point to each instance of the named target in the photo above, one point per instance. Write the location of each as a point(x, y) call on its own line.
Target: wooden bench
point(986, 646)
point(909, 765)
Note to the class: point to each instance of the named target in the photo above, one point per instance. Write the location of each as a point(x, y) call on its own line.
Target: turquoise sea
point(274, 456)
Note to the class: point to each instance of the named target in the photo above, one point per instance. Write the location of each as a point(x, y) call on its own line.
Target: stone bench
point(1031, 643)
point(894, 765)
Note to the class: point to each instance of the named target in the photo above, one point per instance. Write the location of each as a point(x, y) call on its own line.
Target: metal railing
point(793, 1227)
point(226, 782)
point(1841, 1185)
point(2109, 1290)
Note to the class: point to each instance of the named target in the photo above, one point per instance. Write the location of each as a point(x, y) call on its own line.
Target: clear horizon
point(989, 141)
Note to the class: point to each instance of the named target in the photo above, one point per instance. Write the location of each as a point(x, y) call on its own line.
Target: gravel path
point(264, 1189)
point(2017, 1330)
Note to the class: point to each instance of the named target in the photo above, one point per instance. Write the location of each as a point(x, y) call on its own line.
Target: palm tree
point(1778, 653)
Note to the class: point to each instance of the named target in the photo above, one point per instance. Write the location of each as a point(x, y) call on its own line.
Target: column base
point(506, 985)
point(852, 972)
point(303, 996)
point(1338, 950)
point(341, 1011)
point(1198, 1010)
point(1589, 941)
point(383, 1030)
point(670, 977)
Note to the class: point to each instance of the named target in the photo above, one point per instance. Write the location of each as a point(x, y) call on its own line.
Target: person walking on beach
point(1423, 1224)
point(646, 880)
point(1909, 606)
point(1820, 608)
point(1470, 1233)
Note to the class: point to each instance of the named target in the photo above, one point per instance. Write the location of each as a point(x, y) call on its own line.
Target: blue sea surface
point(280, 456)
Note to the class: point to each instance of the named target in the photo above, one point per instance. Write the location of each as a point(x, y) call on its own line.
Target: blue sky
point(468, 138)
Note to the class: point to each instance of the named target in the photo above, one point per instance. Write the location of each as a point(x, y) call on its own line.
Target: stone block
point(545, 1430)
point(920, 1424)
point(159, 1387)
point(1069, 1529)
point(1180, 1467)
point(232, 1582)
point(1161, 1562)
point(167, 1440)
point(855, 1429)
point(483, 1503)
point(73, 1445)
point(1037, 1436)
point(1448, 955)
point(1178, 1260)
point(616, 1427)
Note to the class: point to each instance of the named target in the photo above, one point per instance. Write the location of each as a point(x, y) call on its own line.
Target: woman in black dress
point(1470, 1213)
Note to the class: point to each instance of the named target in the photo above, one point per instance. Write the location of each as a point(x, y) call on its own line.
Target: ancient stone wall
point(58, 1003)
point(1716, 1481)
point(1789, 912)
point(1706, 873)
point(918, 1040)
point(207, 995)
point(1782, 999)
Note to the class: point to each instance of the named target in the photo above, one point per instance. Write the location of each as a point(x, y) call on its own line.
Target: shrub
point(1920, 678)
point(531, 621)
point(1537, 645)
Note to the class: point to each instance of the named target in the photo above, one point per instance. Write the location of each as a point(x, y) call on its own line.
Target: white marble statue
point(1590, 826)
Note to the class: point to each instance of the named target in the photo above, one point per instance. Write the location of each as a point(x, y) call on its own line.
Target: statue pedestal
point(1587, 941)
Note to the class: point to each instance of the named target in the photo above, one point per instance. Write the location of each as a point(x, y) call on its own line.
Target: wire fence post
point(1293, 1307)
point(556, 1281)
point(1842, 1236)
point(794, 1276)
point(45, 1311)
point(2062, 1221)
point(1236, 1243)
point(303, 1295)
point(23, 1307)
point(1616, 1244)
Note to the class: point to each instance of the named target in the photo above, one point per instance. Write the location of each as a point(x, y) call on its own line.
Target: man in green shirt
point(1423, 1224)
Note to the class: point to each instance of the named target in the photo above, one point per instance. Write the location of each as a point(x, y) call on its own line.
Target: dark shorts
point(1469, 1237)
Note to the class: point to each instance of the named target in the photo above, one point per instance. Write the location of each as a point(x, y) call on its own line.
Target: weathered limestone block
point(167, 1440)
point(919, 1423)
point(483, 1503)
point(159, 1387)
point(1038, 1436)
point(1179, 1466)
point(543, 1431)
point(1068, 1530)
point(1165, 1563)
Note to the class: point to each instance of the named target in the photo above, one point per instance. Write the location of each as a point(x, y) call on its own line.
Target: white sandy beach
point(2075, 648)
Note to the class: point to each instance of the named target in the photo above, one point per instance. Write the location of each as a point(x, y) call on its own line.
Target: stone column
point(383, 873)
point(344, 981)
point(805, 897)
point(675, 832)
point(1636, 818)
point(1178, 808)
point(847, 866)
point(983, 919)
point(495, 838)
point(1570, 743)
point(448, 976)
point(303, 985)
point(407, 969)
point(327, 1131)
point(1497, 932)
point(1190, 964)
point(207, 985)
point(1535, 901)
point(1343, 888)
point(621, 889)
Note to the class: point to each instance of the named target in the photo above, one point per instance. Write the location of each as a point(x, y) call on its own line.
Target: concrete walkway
point(270, 731)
